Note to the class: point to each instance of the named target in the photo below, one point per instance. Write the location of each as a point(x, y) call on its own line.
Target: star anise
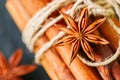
point(12, 70)
point(80, 35)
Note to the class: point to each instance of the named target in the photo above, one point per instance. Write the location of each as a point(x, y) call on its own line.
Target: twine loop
point(36, 29)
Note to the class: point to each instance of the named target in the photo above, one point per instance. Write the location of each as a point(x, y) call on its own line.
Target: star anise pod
point(79, 35)
point(11, 70)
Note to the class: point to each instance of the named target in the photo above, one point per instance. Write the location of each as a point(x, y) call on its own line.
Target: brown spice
point(12, 70)
point(19, 20)
point(77, 67)
point(81, 34)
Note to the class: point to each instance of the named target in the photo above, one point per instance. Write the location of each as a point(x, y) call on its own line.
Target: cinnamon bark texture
point(58, 69)
point(58, 58)
point(77, 68)
point(103, 52)
point(35, 4)
point(109, 50)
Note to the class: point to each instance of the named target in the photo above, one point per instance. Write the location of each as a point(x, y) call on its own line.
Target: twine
point(56, 38)
point(116, 7)
point(116, 54)
point(105, 62)
point(31, 33)
point(118, 1)
point(36, 22)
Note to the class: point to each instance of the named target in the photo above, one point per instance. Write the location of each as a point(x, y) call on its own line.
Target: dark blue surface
point(10, 40)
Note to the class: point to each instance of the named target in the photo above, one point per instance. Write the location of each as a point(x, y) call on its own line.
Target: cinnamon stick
point(101, 52)
point(104, 52)
point(115, 72)
point(16, 13)
point(50, 72)
point(109, 38)
point(111, 71)
point(76, 67)
point(35, 4)
point(110, 34)
point(73, 70)
point(56, 70)
point(80, 70)
point(59, 67)
point(20, 22)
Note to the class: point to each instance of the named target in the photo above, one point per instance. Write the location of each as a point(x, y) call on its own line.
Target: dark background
point(10, 40)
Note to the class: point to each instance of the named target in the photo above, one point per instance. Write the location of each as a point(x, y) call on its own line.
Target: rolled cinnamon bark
point(113, 37)
point(15, 13)
point(104, 51)
point(16, 9)
point(114, 44)
point(106, 29)
point(77, 70)
point(108, 72)
point(80, 70)
point(35, 4)
point(50, 72)
point(76, 67)
point(52, 63)
point(60, 69)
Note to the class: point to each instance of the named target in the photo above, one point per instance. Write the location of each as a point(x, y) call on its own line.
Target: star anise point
point(11, 70)
point(81, 34)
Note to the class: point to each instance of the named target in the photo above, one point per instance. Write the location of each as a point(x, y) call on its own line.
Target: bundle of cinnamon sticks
point(56, 60)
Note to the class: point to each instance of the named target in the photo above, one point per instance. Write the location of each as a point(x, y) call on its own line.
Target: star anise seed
point(80, 34)
point(11, 70)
